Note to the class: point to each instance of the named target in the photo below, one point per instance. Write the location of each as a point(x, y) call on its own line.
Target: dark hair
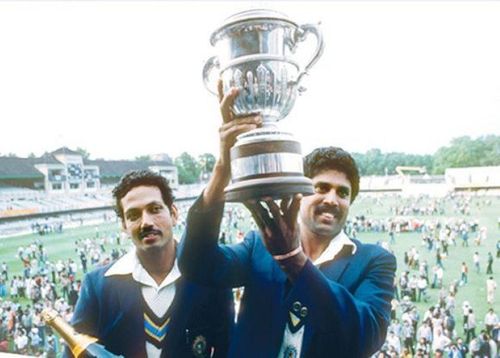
point(137, 178)
point(335, 158)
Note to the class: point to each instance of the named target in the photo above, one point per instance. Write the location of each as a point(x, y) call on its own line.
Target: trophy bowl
point(256, 54)
point(266, 86)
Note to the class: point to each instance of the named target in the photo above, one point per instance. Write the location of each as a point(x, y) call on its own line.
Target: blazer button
point(297, 306)
point(303, 312)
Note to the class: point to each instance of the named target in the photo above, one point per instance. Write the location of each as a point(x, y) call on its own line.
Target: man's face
point(147, 219)
point(325, 212)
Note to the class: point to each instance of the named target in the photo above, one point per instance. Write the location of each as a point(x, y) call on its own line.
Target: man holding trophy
point(310, 291)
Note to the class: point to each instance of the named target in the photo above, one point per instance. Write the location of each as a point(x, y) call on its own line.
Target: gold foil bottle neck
point(77, 342)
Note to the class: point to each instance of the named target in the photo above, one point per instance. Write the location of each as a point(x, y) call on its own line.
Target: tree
point(188, 168)
point(162, 157)
point(206, 161)
point(467, 152)
point(143, 158)
point(83, 152)
point(375, 162)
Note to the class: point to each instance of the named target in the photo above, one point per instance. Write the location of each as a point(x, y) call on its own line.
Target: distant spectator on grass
point(490, 321)
point(489, 267)
point(491, 287)
point(476, 260)
point(464, 272)
point(465, 238)
point(462, 347)
point(422, 289)
point(51, 347)
point(475, 347)
point(471, 326)
point(5, 271)
point(3, 288)
point(440, 342)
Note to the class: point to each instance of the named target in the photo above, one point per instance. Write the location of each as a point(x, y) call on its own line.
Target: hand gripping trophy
point(255, 53)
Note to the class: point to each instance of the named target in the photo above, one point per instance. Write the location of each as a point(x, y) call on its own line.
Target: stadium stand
point(473, 178)
point(65, 180)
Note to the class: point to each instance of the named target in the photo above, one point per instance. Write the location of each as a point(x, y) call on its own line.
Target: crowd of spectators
point(442, 330)
point(44, 283)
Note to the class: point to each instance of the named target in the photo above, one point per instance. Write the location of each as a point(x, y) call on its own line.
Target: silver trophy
point(256, 54)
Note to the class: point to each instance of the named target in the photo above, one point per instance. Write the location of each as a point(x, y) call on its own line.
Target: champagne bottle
point(81, 345)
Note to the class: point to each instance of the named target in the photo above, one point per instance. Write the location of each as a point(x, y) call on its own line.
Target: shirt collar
point(129, 264)
point(334, 247)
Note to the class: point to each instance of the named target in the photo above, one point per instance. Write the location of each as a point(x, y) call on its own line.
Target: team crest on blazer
point(199, 346)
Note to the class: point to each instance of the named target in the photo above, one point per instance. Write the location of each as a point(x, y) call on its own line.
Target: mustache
point(147, 232)
point(327, 209)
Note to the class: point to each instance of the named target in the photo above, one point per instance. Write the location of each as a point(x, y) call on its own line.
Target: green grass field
point(61, 246)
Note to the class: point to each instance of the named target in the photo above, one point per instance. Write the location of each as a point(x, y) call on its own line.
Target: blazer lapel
point(186, 296)
point(280, 314)
point(130, 308)
point(333, 270)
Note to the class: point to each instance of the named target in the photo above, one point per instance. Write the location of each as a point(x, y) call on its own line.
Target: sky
point(123, 78)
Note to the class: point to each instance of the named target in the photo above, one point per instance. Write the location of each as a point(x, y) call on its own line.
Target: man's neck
point(158, 263)
point(312, 244)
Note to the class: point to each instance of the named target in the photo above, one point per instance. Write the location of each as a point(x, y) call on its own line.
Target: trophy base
point(275, 187)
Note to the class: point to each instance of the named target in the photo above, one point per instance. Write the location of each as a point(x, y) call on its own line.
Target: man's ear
point(174, 213)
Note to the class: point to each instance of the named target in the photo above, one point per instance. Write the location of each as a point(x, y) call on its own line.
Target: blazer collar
point(130, 308)
point(336, 245)
point(130, 264)
point(333, 270)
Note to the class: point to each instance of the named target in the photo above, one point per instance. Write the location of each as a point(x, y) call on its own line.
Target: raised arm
point(201, 259)
point(231, 127)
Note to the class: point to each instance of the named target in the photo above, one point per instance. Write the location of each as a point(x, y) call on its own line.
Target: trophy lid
point(250, 15)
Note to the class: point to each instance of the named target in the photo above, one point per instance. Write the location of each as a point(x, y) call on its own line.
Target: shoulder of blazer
point(370, 250)
point(370, 255)
point(97, 277)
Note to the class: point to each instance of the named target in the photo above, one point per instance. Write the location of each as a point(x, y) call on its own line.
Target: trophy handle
point(211, 63)
point(301, 35)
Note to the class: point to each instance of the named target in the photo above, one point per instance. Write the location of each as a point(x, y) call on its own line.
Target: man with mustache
point(310, 290)
point(140, 305)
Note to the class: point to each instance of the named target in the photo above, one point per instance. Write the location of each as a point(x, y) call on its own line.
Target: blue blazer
point(110, 309)
point(344, 303)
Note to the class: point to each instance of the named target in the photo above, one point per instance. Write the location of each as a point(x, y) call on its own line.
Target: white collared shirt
point(293, 341)
point(334, 247)
point(157, 297)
